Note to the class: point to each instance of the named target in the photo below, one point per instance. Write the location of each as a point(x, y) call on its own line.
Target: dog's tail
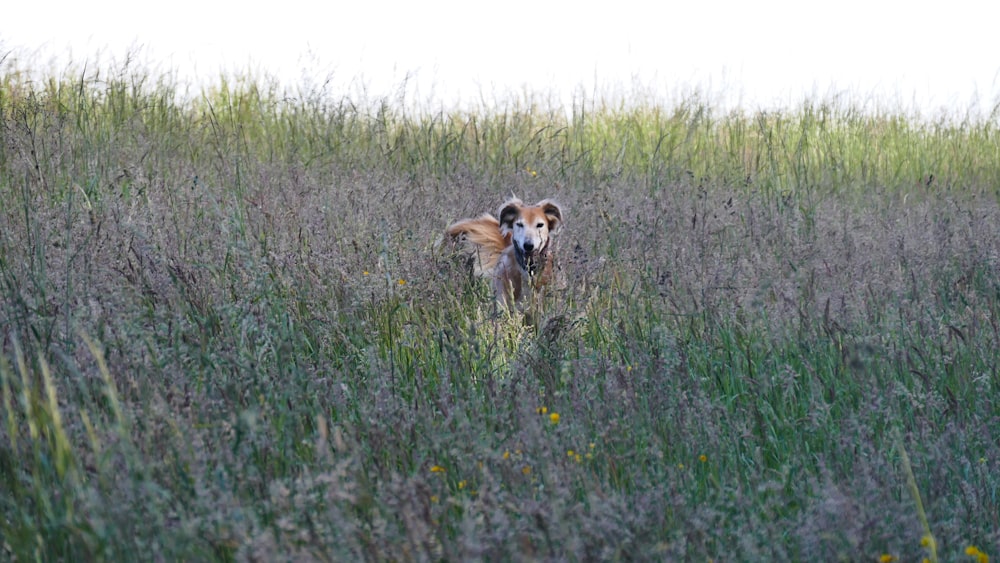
point(482, 240)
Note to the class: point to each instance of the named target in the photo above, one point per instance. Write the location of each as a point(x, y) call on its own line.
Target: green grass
point(228, 332)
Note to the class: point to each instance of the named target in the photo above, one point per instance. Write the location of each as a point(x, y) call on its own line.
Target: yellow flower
point(402, 282)
point(577, 458)
point(434, 498)
point(554, 417)
point(461, 484)
point(526, 469)
point(506, 454)
point(366, 272)
point(927, 541)
point(886, 558)
point(703, 458)
point(981, 557)
point(437, 469)
point(542, 410)
point(680, 466)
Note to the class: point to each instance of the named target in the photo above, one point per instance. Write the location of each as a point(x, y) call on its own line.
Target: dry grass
point(227, 333)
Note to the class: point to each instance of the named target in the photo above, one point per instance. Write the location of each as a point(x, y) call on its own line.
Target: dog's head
point(530, 228)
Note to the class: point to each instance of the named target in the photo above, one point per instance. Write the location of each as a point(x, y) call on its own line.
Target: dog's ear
point(509, 211)
point(552, 212)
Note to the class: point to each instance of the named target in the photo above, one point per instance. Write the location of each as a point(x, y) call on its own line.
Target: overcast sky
point(763, 53)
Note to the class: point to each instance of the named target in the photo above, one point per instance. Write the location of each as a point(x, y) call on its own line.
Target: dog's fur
point(516, 250)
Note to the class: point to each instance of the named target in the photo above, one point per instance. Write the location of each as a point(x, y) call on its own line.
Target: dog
point(516, 251)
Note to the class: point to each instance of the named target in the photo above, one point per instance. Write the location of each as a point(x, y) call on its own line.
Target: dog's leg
point(504, 291)
point(508, 281)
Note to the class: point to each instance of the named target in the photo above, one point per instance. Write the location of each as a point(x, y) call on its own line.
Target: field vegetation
point(227, 331)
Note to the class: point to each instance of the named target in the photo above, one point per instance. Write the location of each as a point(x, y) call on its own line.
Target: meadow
point(229, 332)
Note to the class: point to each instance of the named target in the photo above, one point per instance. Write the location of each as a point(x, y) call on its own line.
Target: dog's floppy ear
point(509, 211)
point(552, 212)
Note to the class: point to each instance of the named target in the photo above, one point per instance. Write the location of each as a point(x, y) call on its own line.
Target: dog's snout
point(528, 247)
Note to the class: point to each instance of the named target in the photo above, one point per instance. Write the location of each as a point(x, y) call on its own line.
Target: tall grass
point(228, 332)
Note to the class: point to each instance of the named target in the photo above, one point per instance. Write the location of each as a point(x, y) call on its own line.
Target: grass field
point(228, 333)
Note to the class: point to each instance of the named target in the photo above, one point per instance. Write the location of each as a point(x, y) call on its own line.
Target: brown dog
point(516, 250)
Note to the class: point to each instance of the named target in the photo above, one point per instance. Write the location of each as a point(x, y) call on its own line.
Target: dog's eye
point(540, 225)
point(520, 223)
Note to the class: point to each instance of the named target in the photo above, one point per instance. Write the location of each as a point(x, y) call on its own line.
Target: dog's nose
point(528, 247)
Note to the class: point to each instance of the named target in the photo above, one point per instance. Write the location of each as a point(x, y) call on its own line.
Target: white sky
point(765, 53)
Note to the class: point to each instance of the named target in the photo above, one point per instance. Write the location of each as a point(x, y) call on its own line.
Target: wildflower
point(506, 454)
point(542, 410)
point(461, 484)
point(973, 551)
point(366, 272)
point(680, 466)
point(526, 470)
point(703, 458)
point(569, 453)
point(434, 498)
point(554, 417)
point(402, 282)
point(437, 469)
point(886, 558)
point(928, 542)
point(577, 458)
